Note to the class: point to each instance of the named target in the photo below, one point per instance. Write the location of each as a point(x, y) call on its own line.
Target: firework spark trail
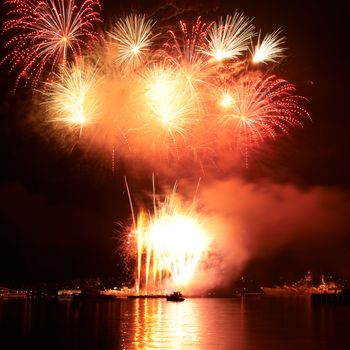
point(270, 49)
point(51, 32)
point(166, 104)
point(134, 38)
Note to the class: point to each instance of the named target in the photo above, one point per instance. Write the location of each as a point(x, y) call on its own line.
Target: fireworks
point(134, 38)
point(229, 39)
point(186, 52)
point(161, 96)
point(168, 102)
point(51, 32)
point(258, 107)
point(71, 98)
point(270, 49)
point(170, 244)
point(187, 90)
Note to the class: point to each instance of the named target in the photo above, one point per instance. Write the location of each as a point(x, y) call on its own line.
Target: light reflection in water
point(205, 324)
point(194, 324)
point(158, 324)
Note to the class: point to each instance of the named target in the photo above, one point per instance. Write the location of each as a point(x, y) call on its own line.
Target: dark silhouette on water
point(176, 296)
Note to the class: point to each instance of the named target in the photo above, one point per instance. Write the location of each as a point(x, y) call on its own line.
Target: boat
point(304, 286)
point(176, 296)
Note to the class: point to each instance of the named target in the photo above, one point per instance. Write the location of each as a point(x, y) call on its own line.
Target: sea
point(242, 323)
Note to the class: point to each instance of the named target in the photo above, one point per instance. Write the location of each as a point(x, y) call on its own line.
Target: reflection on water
point(157, 324)
point(241, 324)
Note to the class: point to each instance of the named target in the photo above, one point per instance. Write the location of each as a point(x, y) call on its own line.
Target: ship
point(176, 296)
point(304, 286)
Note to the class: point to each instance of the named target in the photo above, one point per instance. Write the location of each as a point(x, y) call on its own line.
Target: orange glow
point(170, 245)
point(167, 99)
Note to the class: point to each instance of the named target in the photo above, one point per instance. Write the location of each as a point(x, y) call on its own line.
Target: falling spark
point(270, 49)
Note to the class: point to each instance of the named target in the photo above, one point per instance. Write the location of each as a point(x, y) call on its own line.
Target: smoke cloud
point(258, 220)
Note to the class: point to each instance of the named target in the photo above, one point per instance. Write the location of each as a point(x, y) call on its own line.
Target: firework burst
point(258, 107)
point(170, 244)
point(134, 37)
point(229, 38)
point(157, 97)
point(71, 98)
point(270, 49)
point(169, 106)
point(51, 31)
point(185, 51)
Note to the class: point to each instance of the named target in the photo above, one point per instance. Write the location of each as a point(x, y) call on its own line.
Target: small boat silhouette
point(176, 296)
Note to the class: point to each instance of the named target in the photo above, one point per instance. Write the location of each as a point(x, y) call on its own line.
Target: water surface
point(250, 323)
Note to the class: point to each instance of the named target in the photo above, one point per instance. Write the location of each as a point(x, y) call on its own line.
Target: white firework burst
point(71, 98)
point(134, 37)
point(229, 38)
point(270, 49)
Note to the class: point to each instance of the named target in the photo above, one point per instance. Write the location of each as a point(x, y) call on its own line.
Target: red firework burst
point(43, 34)
point(258, 107)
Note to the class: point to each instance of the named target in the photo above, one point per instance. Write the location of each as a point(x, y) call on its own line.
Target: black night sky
point(60, 206)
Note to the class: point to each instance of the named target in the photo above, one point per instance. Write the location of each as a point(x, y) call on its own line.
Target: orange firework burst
point(257, 107)
point(170, 244)
point(157, 96)
point(51, 32)
point(169, 108)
